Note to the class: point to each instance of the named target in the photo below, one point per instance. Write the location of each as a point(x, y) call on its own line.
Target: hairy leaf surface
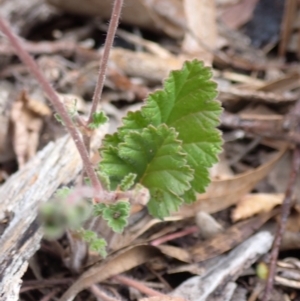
point(187, 104)
point(155, 156)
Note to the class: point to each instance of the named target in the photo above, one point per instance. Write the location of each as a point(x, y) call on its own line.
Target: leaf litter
point(249, 179)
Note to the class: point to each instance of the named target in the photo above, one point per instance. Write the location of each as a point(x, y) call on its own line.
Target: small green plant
point(61, 214)
point(99, 118)
point(96, 244)
point(165, 148)
point(169, 145)
point(116, 214)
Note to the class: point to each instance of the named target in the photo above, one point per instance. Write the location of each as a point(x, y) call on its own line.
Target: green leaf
point(60, 213)
point(113, 166)
point(95, 244)
point(128, 182)
point(63, 192)
point(99, 245)
point(71, 107)
point(187, 104)
point(89, 235)
point(156, 157)
point(98, 209)
point(58, 118)
point(117, 215)
point(99, 118)
point(104, 179)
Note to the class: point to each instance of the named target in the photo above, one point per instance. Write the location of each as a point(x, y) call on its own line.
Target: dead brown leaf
point(144, 65)
point(290, 241)
point(115, 264)
point(280, 175)
point(230, 238)
point(238, 14)
point(155, 15)
point(293, 222)
point(256, 203)
point(222, 194)
point(200, 41)
point(208, 225)
point(175, 252)
point(27, 119)
point(290, 13)
point(281, 84)
point(167, 15)
point(117, 241)
point(221, 170)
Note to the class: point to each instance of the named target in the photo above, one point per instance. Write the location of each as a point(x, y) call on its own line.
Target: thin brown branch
point(57, 104)
point(36, 284)
point(137, 285)
point(52, 47)
point(279, 128)
point(113, 25)
point(101, 294)
point(284, 216)
point(172, 236)
point(50, 295)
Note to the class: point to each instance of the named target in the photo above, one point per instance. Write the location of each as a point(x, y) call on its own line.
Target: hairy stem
point(113, 25)
point(57, 104)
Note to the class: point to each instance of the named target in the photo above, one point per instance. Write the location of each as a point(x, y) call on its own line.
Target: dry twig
point(284, 216)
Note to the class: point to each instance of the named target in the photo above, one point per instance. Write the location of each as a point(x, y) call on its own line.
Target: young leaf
point(104, 179)
point(89, 235)
point(99, 118)
point(187, 104)
point(99, 245)
point(58, 118)
point(59, 215)
point(156, 157)
point(98, 209)
point(117, 215)
point(62, 192)
point(96, 244)
point(127, 182)
point(71, 108)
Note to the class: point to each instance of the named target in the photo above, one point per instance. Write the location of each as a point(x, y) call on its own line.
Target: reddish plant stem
point(101, 294)
point(173, 236)
point(113, 25)
point(137, 285)
point(57, 104)
point(50, 296)
point(281, 227)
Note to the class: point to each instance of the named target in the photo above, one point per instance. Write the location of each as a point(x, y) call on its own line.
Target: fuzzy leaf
point(71, 107)
point(89, 235)
point(104, 179)
point(99, 118)
point(98, 245)
point(62, 192)
point(117, 215)
point(128, 182)
point(98, 209)
point(59, 214)
point(95, 244)
point(187, 104)
point(114, 167)
point(156, 157)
